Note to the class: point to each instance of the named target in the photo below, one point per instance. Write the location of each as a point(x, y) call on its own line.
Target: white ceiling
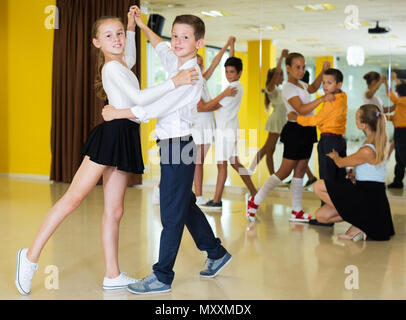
point(325, 29)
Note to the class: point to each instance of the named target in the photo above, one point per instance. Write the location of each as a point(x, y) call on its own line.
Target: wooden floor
point(273, 259)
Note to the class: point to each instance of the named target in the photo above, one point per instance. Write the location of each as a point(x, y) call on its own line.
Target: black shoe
point(314, 222)
point(395, 185)
point(212, 206)
point(310, 182)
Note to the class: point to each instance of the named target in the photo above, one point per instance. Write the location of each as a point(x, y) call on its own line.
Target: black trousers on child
point(327, 168)
point(179, 209)
point(400, 154)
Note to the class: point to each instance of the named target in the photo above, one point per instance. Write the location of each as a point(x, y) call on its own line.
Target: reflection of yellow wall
point(4, 87)
point(29, 91)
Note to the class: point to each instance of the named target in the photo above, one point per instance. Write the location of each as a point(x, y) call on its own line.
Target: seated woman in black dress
point(362, 199)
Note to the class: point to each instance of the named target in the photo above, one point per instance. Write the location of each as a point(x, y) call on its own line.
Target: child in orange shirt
point(331, 121)
point(399, 121)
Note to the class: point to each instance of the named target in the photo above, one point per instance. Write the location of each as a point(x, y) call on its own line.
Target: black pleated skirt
point(298, 141)
point(116, 144)
point(364, 205)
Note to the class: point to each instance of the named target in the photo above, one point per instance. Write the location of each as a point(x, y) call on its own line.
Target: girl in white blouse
point(112, 151)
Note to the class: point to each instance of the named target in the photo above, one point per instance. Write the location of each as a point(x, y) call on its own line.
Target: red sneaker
point(299, 216)
point(251, 209)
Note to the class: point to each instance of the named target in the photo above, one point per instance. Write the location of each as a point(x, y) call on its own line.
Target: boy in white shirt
point(176, 114)
point(227, 133)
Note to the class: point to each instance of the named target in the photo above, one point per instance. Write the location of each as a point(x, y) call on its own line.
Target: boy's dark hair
point(234, 62)
point(371, 76)
point(291, 57)
point(401, 89)
point(337, 74)
point(195, 22)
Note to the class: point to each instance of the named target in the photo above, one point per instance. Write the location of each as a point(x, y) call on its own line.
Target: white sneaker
point(201, 201)
point(24, 272)
point(155, 196)
point(121, 282)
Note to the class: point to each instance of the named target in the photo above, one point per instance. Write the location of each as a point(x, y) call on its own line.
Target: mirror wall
point(263, 28)
point(327, 31)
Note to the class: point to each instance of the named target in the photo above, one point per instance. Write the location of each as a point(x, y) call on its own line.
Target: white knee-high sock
point(268, 186)
point(296, 192)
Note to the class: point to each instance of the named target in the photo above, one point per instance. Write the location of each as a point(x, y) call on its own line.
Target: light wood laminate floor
point(273, 259)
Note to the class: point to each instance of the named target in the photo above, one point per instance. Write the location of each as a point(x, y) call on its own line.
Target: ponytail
point(375, 119)
point(380, 138)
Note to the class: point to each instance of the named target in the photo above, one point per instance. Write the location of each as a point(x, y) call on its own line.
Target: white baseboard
point(23, 176)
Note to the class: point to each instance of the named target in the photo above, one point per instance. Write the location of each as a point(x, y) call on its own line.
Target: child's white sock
point(253, 165)
point(268, 186)
point(296, 192)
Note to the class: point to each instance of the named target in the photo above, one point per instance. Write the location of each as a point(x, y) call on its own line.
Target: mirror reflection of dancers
point(298, 141)
point(112, 151)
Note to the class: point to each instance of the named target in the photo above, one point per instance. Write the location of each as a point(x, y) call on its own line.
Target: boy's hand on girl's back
point(230, 91)
point(108, 113)
point(292, 116)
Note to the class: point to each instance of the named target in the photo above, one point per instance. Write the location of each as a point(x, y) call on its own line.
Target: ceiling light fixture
point(355, 56)
point(316, 7)
point(215, 13)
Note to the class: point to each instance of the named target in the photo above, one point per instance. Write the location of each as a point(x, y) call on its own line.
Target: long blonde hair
point(375, 119)
point(100, 59)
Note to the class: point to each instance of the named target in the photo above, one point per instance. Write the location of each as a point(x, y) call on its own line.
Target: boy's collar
point(191, 62)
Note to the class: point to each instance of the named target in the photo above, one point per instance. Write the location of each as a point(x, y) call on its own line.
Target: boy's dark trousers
point(400, 154)
point(328, 170)
point(178, 207)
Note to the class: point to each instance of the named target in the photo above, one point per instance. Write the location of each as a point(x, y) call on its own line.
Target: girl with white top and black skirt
point(112, 151)
point(298, 141)
point(361, 200)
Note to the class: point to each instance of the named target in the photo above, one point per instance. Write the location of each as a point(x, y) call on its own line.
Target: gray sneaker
point(215, 266)
point(148, 285)
point(212, 206)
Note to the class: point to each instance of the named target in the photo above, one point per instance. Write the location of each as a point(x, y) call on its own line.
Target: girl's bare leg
point(114, 184)
point(83, 182)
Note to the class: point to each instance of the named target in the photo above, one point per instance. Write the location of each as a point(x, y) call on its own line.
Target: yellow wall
point(4, 86)
point(30, 49)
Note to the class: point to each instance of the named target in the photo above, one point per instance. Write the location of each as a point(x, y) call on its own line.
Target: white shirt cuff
point(139, 113)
